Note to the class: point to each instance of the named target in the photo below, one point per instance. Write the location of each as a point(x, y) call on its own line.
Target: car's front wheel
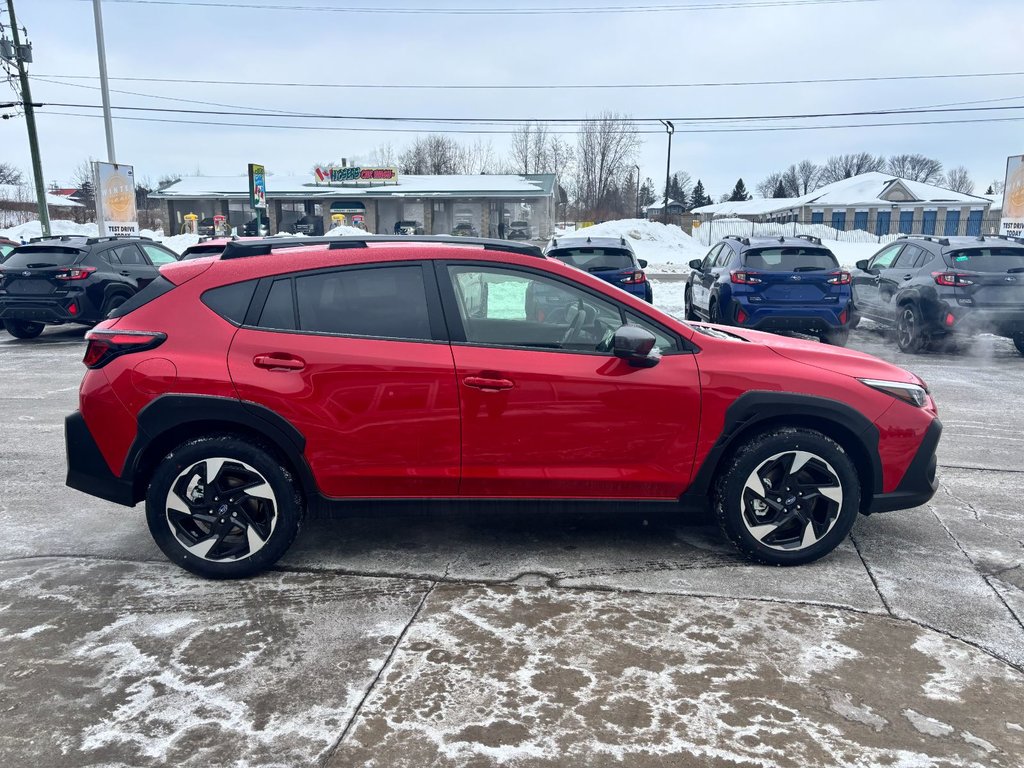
point(787, 497)
point(23, 329)
point(223, 507)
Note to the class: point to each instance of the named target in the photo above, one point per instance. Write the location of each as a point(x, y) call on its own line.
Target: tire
point(910, 335)
point(772, 532)
point(1018, 342)
point(854, 317)
point(111, 304)
point(714, 314)
point(837, 338)
point(255, 529)
point(688, 312)
point(24, 329)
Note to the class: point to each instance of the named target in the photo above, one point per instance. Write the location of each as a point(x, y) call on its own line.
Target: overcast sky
point(829, 40)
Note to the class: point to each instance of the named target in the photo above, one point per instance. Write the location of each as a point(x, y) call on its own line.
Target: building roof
point(25, 194)
point(478, 185)
point(866, 190)
point(658, 205)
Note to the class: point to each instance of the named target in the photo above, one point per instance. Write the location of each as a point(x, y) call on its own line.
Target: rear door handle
point(278, 362)
point(488, 384)
point(125, 273)
point(907, 277)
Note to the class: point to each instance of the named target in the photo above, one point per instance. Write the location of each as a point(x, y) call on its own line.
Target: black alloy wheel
point(910, 336)
point(24, 329)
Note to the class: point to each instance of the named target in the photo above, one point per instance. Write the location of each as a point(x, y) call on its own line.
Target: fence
point(710, 232)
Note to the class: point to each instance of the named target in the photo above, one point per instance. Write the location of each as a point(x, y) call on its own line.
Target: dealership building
point(376, 199)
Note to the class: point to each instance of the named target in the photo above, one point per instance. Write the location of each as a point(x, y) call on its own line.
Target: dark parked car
point(74, 279)
point(772, 284)
point(464, 229)
point(6, 246)
point(932, 288)
point(610, 258)
point(519, 230)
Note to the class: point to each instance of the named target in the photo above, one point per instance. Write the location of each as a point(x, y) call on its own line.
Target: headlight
point(908, 393)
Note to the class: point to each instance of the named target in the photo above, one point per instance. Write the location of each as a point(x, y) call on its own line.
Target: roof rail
point(108, 238)
point(1010, 238)
point(241, 249)
point(744, 240)
point(929, 238)
point(59, 238)
point(810, 239)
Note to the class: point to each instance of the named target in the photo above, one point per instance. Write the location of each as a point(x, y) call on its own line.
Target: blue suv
point(772, 284)
point(609, 258)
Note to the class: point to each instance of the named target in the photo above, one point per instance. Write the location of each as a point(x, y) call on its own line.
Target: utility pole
point(668, 164)
point(101, 51)
point(637, 190)
point(21, 53)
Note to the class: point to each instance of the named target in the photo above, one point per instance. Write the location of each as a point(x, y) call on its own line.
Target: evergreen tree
point(646, 192)
point(699, 197)
point(990, 190)
point(739, 192)
point(780, 189)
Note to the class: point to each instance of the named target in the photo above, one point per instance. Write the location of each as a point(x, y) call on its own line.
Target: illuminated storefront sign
point(355, 174)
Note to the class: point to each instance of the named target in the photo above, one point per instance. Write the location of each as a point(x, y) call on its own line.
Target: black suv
point(931, 288)
point(74, 279)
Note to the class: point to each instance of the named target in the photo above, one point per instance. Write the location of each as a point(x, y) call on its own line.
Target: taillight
point(953, 279)
point(634, 278)
point(75, 273)
point(839, 278)
point(745, 278)
point(106, 344)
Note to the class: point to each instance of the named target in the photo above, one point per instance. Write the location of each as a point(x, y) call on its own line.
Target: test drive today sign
point(115, 199)
point(1012, 223)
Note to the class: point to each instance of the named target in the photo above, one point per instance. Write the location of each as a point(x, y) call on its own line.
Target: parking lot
point(526, 634)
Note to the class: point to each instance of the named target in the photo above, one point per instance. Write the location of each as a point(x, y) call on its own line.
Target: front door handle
point(907, 277)
point(488, 384)
point(124, 273)
point(278, 362)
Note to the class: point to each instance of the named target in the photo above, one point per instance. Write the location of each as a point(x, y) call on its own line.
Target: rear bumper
point(920, 481)
point(1004, 322)
point(87, 469)
point(816, 319)
point(43, 309)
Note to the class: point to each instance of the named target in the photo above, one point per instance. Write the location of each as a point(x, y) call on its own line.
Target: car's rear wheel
point(223, 507)
point(24, 329)
point(688, 304)
point(787, 497)
point(910, 335)
point(715, 313)
point(1018, 342)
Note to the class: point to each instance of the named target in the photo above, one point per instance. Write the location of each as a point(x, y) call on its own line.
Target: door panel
point(882, 223)
point(906, 223)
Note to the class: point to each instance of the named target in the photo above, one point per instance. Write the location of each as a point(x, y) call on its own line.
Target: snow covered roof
point(477, 185)
point(657, 205)
point(997, 200)
point(26, 194)
point(868, 190)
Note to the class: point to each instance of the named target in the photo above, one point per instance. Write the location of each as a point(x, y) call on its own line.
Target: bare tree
point(839, 167)
point(9, 174)
point(914, 167)
point(959, 180)
point(384, 155)
point(477, 157)
point(605, 147)
point(521, 152)
point(767, 186)
point(432, 154)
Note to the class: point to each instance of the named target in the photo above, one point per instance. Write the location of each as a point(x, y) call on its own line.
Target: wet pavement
point(517, 634)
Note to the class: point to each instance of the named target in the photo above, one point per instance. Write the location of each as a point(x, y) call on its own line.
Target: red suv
point(238, 392)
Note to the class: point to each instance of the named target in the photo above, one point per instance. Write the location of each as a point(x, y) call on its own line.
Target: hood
point(827, 357)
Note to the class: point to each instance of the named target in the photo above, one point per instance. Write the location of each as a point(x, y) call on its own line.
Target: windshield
point(989, 259)
point(594, 259)
point(790, 260)
point(39, 256)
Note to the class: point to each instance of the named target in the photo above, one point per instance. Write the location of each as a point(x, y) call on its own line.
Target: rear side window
point(380, 301)
point(39, 256)
point(909, 257)
point(279, 309)
point(154, 290)
point(595, 259)
point(127, 254)
point(231, 301)
point(988, 259)
point(724, 256)
point(789, 259)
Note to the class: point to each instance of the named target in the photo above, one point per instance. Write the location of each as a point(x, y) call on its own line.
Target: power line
point(527, 11)
point(544, 87)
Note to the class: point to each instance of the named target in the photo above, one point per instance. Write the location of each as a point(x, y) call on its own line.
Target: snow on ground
point(666, 247)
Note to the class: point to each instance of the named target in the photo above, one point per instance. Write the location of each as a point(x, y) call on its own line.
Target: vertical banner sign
point(114, 186)
point(1012, 223)
point(257, 186)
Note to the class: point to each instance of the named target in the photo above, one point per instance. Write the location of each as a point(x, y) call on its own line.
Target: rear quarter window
point(230, 301)
point(988, 259)
point(789, 259)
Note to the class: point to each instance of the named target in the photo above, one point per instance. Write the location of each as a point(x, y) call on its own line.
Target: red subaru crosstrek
point(238, 392)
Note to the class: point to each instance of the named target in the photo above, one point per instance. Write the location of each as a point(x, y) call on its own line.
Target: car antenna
point(622, 240)
point(588, 239)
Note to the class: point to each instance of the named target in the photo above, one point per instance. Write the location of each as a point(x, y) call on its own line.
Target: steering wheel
point(577, 322)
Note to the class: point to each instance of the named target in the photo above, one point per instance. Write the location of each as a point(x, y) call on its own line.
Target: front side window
point(885, 259)
point(506, 307)
point(158, 256)
point(709, 260)
point(665, 343)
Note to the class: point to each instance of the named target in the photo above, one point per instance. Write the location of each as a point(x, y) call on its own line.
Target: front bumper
point(920, 481)
point(87, 469)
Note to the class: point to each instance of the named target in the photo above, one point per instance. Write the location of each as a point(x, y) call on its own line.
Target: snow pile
point(344, 231)
point(667, 248)
point(57, 227)
point(178, 243)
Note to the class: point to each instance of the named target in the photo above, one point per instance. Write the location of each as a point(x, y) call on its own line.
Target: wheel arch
point(757, 412)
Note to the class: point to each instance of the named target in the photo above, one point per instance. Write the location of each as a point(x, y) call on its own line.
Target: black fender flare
point(759, 409)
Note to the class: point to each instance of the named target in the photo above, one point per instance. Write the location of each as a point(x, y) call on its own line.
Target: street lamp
point(637, 190)
point(668, 164)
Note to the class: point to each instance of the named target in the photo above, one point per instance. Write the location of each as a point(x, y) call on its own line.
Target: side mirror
point(862, 265)
point(642, 263)
point(696, 264)
point(634, 344)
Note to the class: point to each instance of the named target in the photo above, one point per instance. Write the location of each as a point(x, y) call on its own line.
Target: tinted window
point(35, 256)
point(279, 309)
point(789, 260)
point(885, 258)
point(595, 259)
point(710, 258)
point(158, 255)
point(908, 258)
point(382, 301)
point(724, 256)
point(154, 290)
point(988, 259)
point(665, 343)
point(4, 250)
point(127, 254)
point(232, 301)
point(506, 307)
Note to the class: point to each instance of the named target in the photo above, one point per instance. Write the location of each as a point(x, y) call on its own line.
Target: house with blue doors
point(877, 203)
